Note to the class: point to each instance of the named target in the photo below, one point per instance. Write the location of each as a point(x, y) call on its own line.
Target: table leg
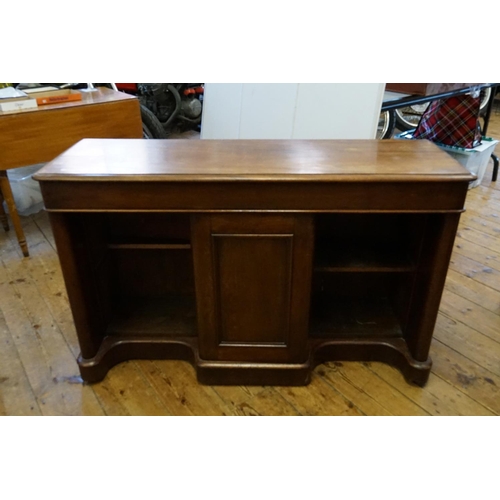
point(3, 216)
point(16, 221)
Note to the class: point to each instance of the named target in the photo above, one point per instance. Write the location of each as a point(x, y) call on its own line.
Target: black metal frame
point(416, 99)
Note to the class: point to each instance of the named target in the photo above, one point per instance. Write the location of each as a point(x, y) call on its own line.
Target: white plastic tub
point(26, 191)
point(475, 160)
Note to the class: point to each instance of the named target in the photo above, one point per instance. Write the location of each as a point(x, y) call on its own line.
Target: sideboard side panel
point(86, 304)
point(437, 246)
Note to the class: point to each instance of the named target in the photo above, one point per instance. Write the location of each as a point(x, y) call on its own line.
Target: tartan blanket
point(453, 122)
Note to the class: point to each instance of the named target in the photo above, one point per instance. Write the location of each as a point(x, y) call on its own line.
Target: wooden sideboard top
point(253, 160)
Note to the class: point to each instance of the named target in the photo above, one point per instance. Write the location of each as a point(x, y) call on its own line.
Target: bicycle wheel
point(485, 99)
point(408, 117)
point(386, 124)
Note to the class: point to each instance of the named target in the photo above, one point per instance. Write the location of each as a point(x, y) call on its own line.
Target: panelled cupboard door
point(253, 281)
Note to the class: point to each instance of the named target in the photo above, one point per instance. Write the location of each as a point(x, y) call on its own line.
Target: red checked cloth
point(453, 121)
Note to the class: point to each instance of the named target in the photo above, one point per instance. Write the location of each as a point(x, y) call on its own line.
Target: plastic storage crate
point(475, 160)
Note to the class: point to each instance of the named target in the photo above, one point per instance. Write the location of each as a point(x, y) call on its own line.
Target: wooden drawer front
point(246, 267)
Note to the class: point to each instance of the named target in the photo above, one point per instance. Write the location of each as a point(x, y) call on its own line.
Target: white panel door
point(291, 110)
point(221, 111)
point(267, 110)
point(337, 110)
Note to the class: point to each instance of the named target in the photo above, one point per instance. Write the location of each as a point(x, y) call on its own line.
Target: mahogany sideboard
point(254, 260)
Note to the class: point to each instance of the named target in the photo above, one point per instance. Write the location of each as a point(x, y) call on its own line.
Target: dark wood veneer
point(254, 260)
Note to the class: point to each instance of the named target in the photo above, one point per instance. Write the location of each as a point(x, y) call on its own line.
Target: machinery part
point(162, 99)
point(151, 126)
point(178, 103)
point(191, 107)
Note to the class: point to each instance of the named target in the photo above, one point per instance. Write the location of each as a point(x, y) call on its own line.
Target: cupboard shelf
point(145, 245)
point(170, 315)
point(358, 259)
point(360, 317)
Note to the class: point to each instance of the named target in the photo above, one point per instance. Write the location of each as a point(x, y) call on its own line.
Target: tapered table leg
point(16, 221)
point(3, 216)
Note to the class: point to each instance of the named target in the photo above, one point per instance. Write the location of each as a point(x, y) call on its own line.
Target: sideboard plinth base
point(115, 350)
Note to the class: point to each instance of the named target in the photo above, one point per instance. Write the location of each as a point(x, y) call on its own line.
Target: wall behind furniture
point(291, 110)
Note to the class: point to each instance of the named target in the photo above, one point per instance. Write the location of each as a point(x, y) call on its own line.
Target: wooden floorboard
point(48, 362)
point(38, 345)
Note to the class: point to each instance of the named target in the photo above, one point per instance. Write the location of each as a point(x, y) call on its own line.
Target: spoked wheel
point(408, 118)
point(151, 126)
point(486, 95)
point(386, 124)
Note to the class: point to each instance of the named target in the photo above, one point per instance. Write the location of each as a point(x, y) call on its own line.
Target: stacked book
point(12, 99)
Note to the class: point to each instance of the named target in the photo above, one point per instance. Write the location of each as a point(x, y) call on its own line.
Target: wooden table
point(38, 135)
point(254, 260)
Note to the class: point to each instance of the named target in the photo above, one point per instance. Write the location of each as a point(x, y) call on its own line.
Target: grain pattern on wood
point(479, 253)
point(267, 318)
point(478, 383)
point(43, 224)
point(469, 369)
point(478, 271)
point(80, 283)
point(16, 395)
point(437, 398)
point(132, 393)
point(50, 366)
point(34, 136)
point(45, 271)
point(471, 314)
point(433, 264)
point(482, 224)
point(361, 400)
point(318, 398)
point(468, 341)
point(252, 255)
point(463, 356)
point(274, 195)
point(364, 379)
point(480, 238)
point(175, 383)
point(98, 160)
point(266, 402)
point(470, 289)
point(236, 394)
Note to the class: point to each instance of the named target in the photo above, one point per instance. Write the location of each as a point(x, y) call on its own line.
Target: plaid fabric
point(453, 121)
